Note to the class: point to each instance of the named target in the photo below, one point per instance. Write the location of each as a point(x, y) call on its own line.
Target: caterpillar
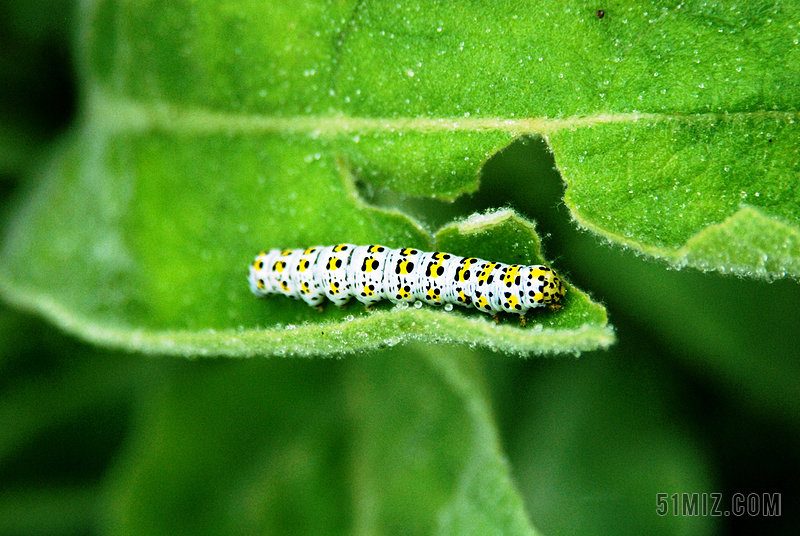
point(373, 273)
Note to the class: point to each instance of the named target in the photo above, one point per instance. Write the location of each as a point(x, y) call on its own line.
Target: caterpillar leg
point(496, 318)
point(320, 308)
point(523, 321)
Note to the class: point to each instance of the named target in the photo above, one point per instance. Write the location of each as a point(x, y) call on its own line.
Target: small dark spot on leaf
point(600, 13)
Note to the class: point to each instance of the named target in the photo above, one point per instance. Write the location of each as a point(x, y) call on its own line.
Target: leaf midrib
point(122, 115)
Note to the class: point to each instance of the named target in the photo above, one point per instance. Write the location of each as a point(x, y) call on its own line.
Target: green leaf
point(138, 234)
point(713, 192)
point(324, 447)
point(666, 120)
point(218, 130)
point(194, 156)
point(595, 444)
point(127, 308)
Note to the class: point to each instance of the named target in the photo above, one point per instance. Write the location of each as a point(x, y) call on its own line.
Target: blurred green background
point(701, 389)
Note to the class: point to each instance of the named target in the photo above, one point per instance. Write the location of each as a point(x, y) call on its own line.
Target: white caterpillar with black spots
point(373, 273)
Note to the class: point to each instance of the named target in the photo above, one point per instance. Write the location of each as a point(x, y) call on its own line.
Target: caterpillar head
point(543, 288)
point(553, 290)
